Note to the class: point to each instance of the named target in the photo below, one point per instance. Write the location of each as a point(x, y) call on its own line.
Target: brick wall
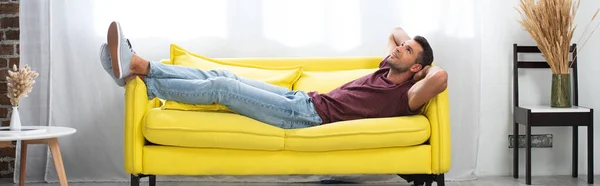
point(9, 55)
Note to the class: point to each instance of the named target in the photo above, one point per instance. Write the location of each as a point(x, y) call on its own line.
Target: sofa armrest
point(136, 106)
point(438, 113)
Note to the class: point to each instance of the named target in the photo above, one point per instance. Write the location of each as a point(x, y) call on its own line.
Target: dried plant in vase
point(551, 24)
point(20, 83)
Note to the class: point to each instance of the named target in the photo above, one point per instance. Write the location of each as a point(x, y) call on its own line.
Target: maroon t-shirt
point(371, 96)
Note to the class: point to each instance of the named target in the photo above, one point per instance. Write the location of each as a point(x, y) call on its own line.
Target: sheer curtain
point(61, 38)
point(35, 47)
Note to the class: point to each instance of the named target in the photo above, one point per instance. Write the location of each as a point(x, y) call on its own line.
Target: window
point(178, 19)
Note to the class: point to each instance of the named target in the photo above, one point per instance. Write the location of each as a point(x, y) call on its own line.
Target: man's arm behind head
point(434, 82)
point(396, 37)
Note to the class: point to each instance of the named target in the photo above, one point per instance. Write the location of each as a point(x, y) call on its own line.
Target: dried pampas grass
point(551, 24)
point(20, 83)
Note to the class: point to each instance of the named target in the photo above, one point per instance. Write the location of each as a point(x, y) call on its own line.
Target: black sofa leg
point(440, 180)
point(424, 179)
point(152, 180)
point(428, 182)
point(135, 180)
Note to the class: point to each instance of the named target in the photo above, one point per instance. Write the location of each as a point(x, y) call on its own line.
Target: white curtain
point(61, 39)
point(35, 50)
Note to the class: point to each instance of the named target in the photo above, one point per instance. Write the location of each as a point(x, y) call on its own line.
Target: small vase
point(15, 120)
point(561, 91)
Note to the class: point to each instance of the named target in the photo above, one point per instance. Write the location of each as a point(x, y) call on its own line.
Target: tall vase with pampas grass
point(551, 24)
point(20, 83)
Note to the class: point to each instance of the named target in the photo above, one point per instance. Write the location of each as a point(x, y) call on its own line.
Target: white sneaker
point(120, 49)
point(106, 63)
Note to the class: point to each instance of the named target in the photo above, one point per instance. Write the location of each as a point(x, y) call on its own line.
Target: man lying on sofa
point(404, 82)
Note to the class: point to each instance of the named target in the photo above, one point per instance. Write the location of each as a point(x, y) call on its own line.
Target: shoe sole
point(114, 44)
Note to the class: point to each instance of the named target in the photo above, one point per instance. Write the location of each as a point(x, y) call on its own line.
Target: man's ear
point(416, 68)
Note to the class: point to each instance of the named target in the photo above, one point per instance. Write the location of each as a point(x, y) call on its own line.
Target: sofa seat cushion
point(210, 130)
point(233, 131)
point(360, 134)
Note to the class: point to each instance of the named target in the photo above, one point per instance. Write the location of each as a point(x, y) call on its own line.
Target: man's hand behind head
point(421, 74)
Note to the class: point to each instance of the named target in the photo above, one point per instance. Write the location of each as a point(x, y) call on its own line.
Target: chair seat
point(549, 109)
point(547, 116)
point(233, 131)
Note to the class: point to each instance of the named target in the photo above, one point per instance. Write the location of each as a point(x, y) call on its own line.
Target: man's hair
point(426, 56)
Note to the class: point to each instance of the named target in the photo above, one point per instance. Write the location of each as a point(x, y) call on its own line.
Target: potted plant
point(20, 83)
point(551, 24)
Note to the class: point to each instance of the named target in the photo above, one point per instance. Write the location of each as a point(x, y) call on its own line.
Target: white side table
point(49, 137)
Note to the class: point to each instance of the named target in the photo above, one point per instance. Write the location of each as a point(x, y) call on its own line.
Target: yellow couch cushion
point(324, 82)
point(280, 76)
point(313, 63)
point(161, 160)
point(360, 134)
point(174, 105)
point(233, 131)
point(210, 129)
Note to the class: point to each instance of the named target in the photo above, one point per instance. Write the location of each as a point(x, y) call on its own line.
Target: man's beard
point(396, 67)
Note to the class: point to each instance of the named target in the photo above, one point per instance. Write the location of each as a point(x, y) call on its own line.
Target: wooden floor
point(483, 181)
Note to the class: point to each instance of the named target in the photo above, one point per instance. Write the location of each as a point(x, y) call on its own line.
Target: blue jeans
point(261, 101)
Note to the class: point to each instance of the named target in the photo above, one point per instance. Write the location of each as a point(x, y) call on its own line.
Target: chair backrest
point(540, 64)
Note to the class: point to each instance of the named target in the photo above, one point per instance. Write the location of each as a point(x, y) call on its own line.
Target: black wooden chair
point(540, 115)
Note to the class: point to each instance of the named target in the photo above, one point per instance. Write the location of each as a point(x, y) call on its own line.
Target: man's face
point(404, 57)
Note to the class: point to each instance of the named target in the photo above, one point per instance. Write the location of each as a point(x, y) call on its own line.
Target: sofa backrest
point(312, 63)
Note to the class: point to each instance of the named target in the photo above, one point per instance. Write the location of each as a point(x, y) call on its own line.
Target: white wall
point(500, 30)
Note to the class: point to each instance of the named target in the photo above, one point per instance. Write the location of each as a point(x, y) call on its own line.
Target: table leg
point(23, 163)
point(58, 163)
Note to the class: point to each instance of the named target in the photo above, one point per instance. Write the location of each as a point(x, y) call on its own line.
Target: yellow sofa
point(176, 142)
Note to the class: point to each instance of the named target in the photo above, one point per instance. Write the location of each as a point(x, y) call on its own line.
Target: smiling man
point(404, 82)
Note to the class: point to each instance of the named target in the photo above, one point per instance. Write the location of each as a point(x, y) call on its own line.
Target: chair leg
point(152, 179)
point(516, 150)
point(575, 153)
point(590, 149)
point(135, 180)
point(528, 155)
